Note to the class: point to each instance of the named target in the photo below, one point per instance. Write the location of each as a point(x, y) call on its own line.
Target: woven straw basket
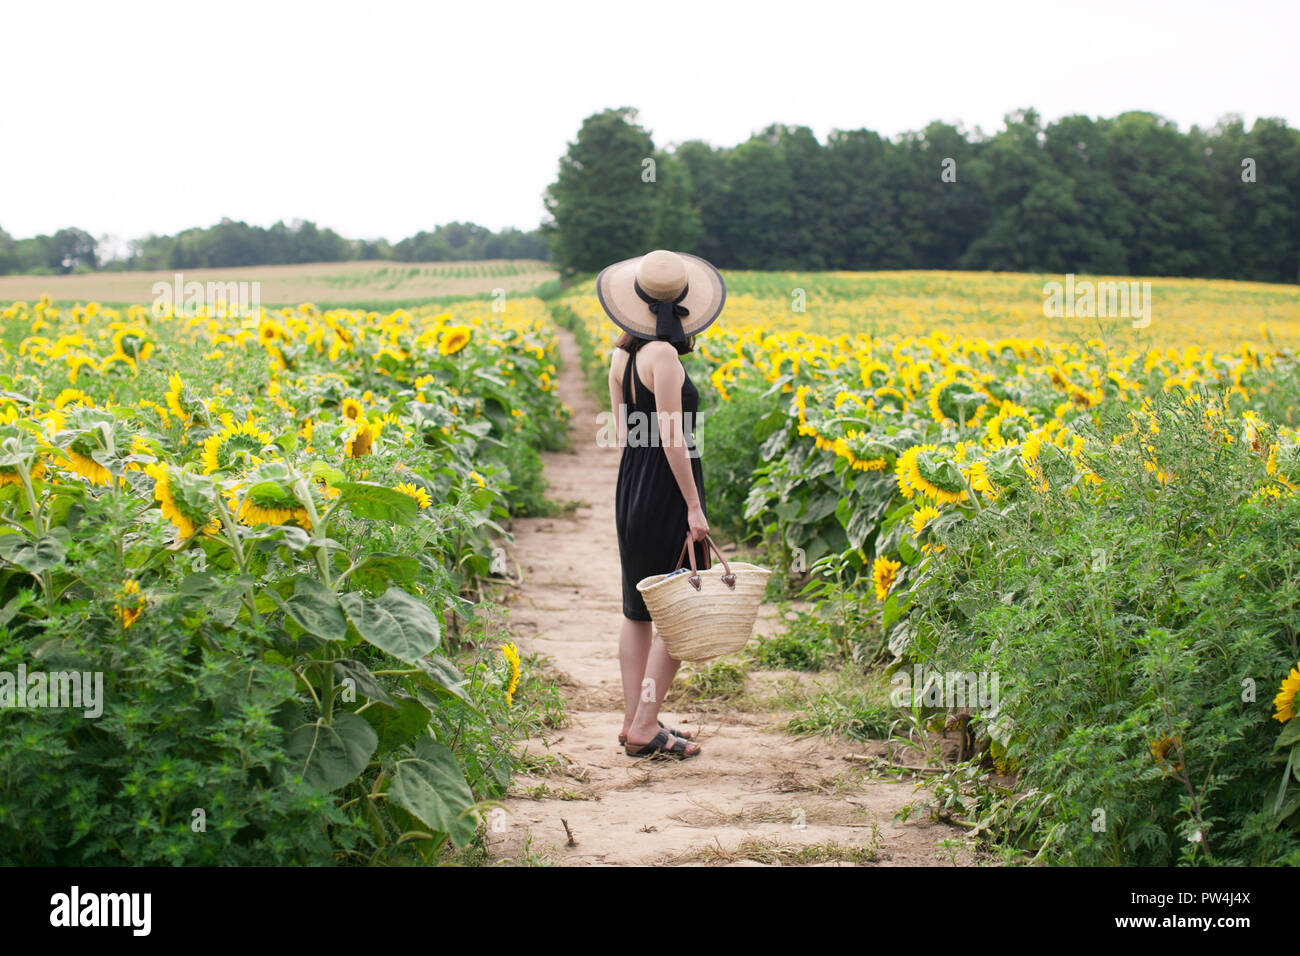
point(705, 614)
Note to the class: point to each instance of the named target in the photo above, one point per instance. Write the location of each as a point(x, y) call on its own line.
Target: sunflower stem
point(38, 525)
point(232, 535)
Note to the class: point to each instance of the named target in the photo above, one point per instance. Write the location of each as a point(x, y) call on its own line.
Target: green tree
point(601, 207)
point(1174, 232)
point(710, 197)
point(864, 216)
point(8, 254)
point(677, 221)
point(761, 221)
point(72, 249)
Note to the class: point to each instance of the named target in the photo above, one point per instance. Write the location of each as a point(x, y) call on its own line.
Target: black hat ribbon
point(668, 314)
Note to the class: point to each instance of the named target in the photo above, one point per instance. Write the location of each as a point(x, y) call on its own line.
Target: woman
point(661, 301)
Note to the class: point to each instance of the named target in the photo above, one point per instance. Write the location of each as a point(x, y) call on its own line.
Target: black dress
point(649, 509)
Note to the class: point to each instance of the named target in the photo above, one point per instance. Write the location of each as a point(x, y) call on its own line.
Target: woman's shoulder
point(657, 350)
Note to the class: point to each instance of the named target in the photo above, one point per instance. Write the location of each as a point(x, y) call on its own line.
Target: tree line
point(1129, 195)
point(231, 243)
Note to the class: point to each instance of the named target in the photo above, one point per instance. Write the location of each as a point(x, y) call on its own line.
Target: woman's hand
point(697, 524)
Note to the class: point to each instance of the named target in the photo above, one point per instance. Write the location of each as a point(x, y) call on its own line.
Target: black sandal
point(660, 745)
point(622, 739)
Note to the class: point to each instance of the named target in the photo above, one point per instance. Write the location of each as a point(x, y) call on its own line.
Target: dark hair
point(627, 338)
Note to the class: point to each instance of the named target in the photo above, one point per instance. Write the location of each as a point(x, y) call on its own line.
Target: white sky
point(384, 118)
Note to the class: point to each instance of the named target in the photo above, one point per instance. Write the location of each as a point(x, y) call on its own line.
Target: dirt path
point(743, 799)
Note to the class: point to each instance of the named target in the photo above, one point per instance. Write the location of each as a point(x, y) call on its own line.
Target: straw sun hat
point(662, 294)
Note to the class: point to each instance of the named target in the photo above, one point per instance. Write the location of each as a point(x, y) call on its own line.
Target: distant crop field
point(322, 283)
point(1173, 312)
point(1208, 313)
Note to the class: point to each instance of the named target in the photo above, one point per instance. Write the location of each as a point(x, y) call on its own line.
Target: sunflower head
point(954, 399)
point(267, 497)
point(875, 374)
point(131, 341)
point(182, 403)
point(91, 448)
point(511, 654)
point(1162, 749)
point(884, 572)
point(415, 491)
point(362, 440)
point(1011, 424)
point(1284, 702)
point(453, 339)
point(187, 500)
point(922, 517)
point(932, 471)
point(887, 395)
point(129, 604)
point(234, 446)
point(269, 332)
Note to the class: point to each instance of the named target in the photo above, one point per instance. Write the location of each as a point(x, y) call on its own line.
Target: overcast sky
point(384, 118)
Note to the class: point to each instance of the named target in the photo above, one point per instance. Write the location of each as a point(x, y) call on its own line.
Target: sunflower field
point(1103, 518)
point(269, 533)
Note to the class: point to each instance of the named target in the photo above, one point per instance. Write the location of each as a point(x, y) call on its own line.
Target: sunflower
point(118, 360)
point(179, 403)
point(415, 491)
point(9, 473)
point(511, 653)
point(1284, 702)
point(922, 517)
point(252, 513)
point(876, 460)
point(363, 438)
point(268, 501)
point(875, 374)
point(233, 443)
point(1162, 748)
point(977, 475)
point(884, 572)
point(453, 340)
point(181, 500)
point(130, 603)
point(78, 460)
point(73, 396)
point(351, 408)
point(1011, 423)
point(269, 332)
point(887, 395)
point(76, 363)
point(932, 471)
point(131, 341)
point(1082, 398)
point(954, 399)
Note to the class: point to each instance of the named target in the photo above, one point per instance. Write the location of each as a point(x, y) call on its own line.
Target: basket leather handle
point(728, 578)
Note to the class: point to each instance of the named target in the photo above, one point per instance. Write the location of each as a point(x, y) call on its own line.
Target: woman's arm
point(668, 376)
point(616, 398)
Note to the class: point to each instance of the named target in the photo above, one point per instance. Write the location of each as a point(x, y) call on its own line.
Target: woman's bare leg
point(660, 669)
point(633, 649)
